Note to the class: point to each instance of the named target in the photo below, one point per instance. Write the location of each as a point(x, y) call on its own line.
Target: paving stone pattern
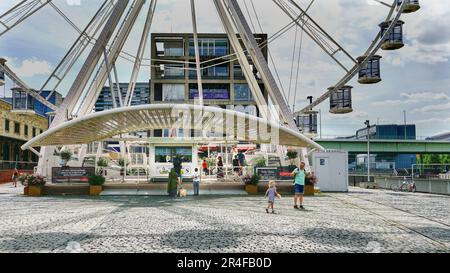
point(359, 221)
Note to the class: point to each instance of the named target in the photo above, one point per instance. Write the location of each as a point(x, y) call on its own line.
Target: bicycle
point(405, 186)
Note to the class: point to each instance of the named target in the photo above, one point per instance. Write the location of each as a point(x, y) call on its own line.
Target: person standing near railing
point(14, 177)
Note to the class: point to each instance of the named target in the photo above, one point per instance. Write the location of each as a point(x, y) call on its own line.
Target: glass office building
point(385, 162)
point(140, 96)
point(174, 75)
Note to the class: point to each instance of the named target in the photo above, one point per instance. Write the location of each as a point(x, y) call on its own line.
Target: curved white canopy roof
point(107, 124)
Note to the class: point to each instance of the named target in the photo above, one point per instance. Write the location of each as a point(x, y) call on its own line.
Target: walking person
point(15, 176)
point(299, 175)
point(236, 166)
point(205, 167)
point(196, 182)
point(220, 173)
point(271, 193)
point(241, 158)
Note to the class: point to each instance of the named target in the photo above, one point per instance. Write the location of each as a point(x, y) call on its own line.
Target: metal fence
point(20, 165)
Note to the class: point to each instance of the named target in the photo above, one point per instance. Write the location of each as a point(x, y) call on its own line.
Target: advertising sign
point(72, 174)
point(274, 173)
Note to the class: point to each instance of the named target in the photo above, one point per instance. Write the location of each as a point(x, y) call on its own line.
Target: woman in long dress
point(220, 173)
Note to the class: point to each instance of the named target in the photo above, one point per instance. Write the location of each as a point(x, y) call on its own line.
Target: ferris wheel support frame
point(24, 87)
point(20, 7)
point(316, 33)
point(140, 53)
point(81, 81)
point(97, 85)
point(78, 47)
point(260, 62)
point(252, 48)
point(369, 53)
point(242, 59)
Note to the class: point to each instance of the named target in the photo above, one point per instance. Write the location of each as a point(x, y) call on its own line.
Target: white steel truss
point(19, 13)
point(81, 97)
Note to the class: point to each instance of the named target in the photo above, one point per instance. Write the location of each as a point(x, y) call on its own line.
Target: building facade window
point(173, 92)
point(6, 152)
point(242, 92)
point(172, 133)
point(172, 48)
point(7, 125)
point(210, 91)
point(166, 154)
point(34, 131)
point(220, 71)
point(249, 110)
point(16, 128)
point(174, 71)
point(209, 47)
point(25, 130)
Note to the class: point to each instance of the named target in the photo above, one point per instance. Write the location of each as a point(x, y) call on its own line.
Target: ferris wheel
point(110, 27)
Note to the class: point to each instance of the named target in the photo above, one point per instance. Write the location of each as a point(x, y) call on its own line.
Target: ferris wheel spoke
point(371, 51)
point(383, 3)
point(324, 40)
point(19, 13)
point(78, 47)
point(23, 86)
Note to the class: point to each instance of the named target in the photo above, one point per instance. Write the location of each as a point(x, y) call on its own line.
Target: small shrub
point(65, 155)
point(292, 154)
point(311, 180)
point(252, 179)
point(102, 162)
point(32, 180)
point(211, 162)
point(122, 162)
point(96, 180)
point(259, 162)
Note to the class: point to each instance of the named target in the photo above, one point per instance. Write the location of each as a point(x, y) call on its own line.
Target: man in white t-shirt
point(196, 182)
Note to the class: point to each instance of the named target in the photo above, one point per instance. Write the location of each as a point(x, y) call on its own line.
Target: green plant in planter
point(122, 162)
point(172, 183)
point(96, 180)
point(292, 155)
point(31, 180)
point(259, 162)
point(211, 162)
point(311, 179)
point(102, 163)
point(65, 156)
point(252, 179)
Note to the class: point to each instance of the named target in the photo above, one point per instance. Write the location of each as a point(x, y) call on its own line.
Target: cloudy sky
point(415, 78)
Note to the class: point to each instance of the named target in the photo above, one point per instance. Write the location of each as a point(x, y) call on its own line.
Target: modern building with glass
point(174, 77)
point(174, 80)
point(385, 161)
point(141, 96)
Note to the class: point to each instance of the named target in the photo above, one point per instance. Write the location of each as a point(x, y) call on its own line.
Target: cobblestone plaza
point(359, 221)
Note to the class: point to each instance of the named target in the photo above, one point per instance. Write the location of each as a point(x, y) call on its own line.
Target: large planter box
point(26, 190)
point(35, 191)
point(95, 190)
point(309, 190)
point(251, 189)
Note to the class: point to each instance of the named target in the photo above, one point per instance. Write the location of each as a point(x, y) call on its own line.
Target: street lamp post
point(404, 119)
point(320, 117)
point(367, 123)
point(311, 129)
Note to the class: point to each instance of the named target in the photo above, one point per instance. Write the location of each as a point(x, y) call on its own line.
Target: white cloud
point(414, 98)
point(434, 121)
point(433, 108)
point(30, 67)
point(425, 96)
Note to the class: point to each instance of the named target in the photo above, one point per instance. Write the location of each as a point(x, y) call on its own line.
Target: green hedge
point(96, 180)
